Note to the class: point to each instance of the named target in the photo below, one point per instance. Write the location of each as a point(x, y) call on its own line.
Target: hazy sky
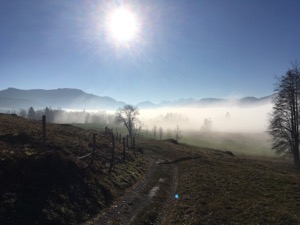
point(191, 48)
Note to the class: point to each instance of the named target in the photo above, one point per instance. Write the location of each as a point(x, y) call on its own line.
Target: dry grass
point(49, 185)
point(216, 188)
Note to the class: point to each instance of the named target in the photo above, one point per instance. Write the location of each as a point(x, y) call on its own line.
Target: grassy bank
point(50, 184)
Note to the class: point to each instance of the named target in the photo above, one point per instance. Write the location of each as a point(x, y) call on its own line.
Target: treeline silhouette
point(63, 116)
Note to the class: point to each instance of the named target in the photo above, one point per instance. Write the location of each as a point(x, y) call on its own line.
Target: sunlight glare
point(122, 25)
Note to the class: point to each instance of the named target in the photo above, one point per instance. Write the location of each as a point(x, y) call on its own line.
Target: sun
point(122, 25)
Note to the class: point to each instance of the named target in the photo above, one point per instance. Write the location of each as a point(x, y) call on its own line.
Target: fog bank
point(216, 119)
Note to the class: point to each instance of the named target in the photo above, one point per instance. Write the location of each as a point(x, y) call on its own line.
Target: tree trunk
point(44, 130)
point(296, 157)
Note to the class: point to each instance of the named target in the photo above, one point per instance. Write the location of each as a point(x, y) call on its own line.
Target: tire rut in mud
point(147, 202)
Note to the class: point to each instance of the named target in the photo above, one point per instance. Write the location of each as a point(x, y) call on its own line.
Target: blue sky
point(192, 48)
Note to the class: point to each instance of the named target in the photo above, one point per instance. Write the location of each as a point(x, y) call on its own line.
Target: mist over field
point(233, 128)
point(222, 119)
point(229, 124)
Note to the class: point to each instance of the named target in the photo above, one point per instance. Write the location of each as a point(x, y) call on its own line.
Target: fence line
point(107, 131)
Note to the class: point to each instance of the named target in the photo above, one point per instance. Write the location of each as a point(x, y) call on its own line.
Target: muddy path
point(148, 200)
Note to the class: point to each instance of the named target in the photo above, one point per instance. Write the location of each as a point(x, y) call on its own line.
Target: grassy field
point(49, 184)
point(101, 128)
point(216, 188)
point(239, 143)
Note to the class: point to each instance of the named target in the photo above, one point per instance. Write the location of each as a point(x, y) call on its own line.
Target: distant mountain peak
point(69, 98)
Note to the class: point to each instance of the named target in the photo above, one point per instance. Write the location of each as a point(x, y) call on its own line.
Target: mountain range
point(66, 98)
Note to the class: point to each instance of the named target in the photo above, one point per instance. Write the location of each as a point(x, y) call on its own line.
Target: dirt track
point(155, 191)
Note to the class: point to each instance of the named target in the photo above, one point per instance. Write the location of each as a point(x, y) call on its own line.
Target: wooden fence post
point(44, 130)
point(113, 154)
point(124, 148)
point(133, 145)
point(93, 152)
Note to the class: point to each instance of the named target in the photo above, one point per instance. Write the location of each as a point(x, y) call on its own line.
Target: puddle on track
point(153, 191)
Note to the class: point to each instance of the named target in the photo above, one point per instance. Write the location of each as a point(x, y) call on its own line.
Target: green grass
point(241, 143)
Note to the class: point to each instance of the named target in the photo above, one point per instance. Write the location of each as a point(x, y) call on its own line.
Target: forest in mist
point(220, 119)
point(206, 119)
point(242, 130)
point(236, 128)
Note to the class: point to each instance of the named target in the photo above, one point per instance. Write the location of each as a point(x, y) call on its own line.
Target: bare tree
point(177, 132)
point(128, 116)
point(207, 125)
point(139, 127)
point(23, 113)
point(284, 120)
point(169, 133)
point(154, 131)
point(227, 116)
point(160, 131)
point(146, 132)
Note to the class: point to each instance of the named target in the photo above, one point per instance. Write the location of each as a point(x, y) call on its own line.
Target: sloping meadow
point(216, 187)
point(50, 184)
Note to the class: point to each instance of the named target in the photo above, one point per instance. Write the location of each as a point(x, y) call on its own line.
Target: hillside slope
point(51, 185)
point(215, 187)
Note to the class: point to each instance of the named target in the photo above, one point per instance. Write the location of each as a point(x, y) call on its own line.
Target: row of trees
point(62, 116)
point(158, 133)
point(284, 119)
point(128, 117)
